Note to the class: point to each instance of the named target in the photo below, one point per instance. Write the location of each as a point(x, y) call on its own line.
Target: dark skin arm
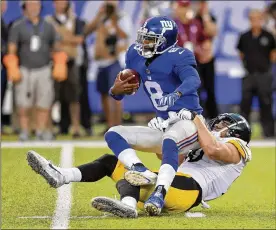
point(123, 87)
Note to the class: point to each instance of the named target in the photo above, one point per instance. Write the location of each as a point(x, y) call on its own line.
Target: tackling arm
point(226, 152)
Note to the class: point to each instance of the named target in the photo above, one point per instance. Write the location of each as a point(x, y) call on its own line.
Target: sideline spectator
point(196, 33)
point(68, 92)
point(257, 51)
point(85, 112)
point(206, 59)
point(112, 29)
point(31, 42)
point(270, 25)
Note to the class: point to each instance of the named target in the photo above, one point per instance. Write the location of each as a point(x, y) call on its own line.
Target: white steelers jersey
point(215, 177)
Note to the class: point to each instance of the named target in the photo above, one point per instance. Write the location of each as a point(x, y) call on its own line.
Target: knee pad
point(115, 140)
point(116, 129)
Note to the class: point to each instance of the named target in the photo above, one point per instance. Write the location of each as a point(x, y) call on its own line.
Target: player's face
point(146, 43)
point(149, 43)
point(221, 125)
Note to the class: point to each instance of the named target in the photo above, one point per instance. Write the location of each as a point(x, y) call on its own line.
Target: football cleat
point(46, 169)
point(115, 207)
point(139, 175)
point(153, 206)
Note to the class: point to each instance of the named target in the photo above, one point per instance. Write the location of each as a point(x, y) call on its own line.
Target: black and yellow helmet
point(238, 127)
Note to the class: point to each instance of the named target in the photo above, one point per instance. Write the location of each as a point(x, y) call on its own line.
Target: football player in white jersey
point(205, 174)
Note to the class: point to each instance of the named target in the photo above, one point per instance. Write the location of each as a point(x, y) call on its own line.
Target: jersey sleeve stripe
point(239, 146)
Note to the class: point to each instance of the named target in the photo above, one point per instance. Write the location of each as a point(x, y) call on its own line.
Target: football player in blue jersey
point(170, 79)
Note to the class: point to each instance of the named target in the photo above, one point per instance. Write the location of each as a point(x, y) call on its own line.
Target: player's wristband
point(116, 97)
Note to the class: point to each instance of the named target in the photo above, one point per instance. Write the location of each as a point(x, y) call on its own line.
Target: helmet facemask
point(228, 127)
point(148, 43)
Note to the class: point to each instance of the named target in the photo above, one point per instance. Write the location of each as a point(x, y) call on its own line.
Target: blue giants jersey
point(162, 77)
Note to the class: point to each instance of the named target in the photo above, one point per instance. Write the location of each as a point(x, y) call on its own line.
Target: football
point(126, 73)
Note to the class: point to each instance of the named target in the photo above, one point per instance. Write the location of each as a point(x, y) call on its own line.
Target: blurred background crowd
point(233, 41)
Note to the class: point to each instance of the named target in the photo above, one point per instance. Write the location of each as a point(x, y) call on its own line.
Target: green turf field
point(98, 130)
point(29, 203)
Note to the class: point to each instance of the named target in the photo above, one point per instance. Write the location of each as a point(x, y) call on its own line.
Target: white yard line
point(64, 200)
point(99, 144)
point(72, 217)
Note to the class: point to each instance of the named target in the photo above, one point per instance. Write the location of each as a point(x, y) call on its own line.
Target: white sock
point(71, 174)
point(166, 175)
point(128, 157)
point(130, 201)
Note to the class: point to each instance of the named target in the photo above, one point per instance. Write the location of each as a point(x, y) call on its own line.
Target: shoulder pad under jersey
point(242, 147)
point(181, 56)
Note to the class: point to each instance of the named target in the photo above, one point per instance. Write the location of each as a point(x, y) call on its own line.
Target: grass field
point(29, 203)
point(99, 128)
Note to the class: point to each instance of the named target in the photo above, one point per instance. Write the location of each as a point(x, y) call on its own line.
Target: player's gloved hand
point(156, 123)
point(173, 118)
point(170, 99)
point(186, 114)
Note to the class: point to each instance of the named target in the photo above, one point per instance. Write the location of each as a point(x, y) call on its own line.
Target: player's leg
point(122, 140)
point(184, 194)
point(125, 207)
point(105, 165)
point(181, 135)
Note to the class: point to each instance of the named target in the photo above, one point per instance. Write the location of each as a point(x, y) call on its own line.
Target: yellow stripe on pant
point(178, 199)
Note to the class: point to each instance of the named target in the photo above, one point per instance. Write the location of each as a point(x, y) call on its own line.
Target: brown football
point(126, 73)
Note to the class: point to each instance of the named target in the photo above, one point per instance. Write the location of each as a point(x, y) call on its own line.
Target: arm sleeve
point(190, 79)
point(14, 33)
point(4, 31)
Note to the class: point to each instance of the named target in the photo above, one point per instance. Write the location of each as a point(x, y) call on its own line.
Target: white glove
point(186, 114)
point(156, 123)
point(173, 118)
